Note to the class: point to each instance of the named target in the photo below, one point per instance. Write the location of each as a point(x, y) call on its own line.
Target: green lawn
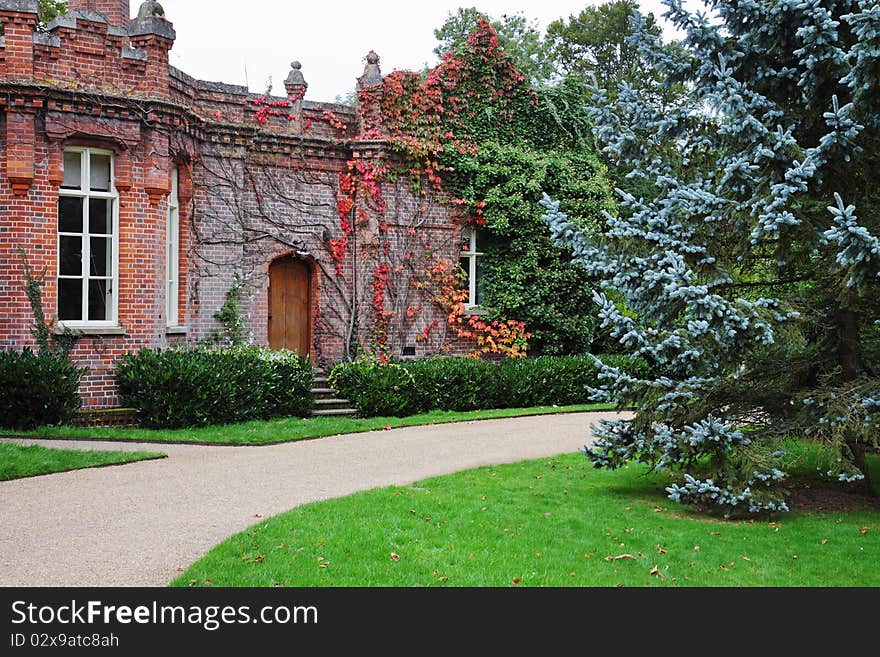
point(551, 522)
point(17, 461)
point(291, 429)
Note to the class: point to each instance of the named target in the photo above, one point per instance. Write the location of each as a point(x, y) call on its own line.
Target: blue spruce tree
point(749, 272)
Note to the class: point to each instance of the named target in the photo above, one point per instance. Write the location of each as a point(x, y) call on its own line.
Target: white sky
point(219, 40)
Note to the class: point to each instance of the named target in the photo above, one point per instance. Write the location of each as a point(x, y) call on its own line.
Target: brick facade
point(248, 194)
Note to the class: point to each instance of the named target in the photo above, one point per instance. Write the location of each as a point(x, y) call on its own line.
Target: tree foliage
point(753, 268)
point(50, 9)
point(506, 142)
point(520, 38)
point(595, 43)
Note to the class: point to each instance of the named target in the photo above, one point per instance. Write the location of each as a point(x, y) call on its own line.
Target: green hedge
point(196, 387)
point(463, 384)
point(37, 389)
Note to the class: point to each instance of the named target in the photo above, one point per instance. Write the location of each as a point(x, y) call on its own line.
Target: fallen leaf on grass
point(655, 571)
point(661, 549)
point(395, 556)
point(863, 530)
point(723, 567)
point(746, 559)
point(517, 581)
point(620, 556)
point(659, 509)
point(387, 427)
point(824, 541)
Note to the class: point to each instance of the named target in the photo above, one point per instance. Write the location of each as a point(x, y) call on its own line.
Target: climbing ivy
point(495, 144)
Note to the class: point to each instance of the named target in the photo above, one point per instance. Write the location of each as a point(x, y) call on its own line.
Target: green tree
point(520, 38)
point(595, 43)
point(50, 9)
point(754, 266)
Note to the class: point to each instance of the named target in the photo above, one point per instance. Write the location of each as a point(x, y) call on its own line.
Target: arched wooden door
point(290, 305)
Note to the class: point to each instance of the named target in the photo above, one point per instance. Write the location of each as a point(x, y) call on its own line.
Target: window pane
point(98, 300)
point(99, 256)
point(100, 216)
point(465, 264)
point(100, 173)
point(72, 170)
point(70, 299)
point(480, 284)
point(70, 215)
point(70, 256)
point(175, 184)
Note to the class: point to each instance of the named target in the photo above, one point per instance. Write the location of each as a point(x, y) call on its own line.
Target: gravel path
point(140, 524)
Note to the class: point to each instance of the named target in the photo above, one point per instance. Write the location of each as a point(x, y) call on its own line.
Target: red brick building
point(141, 196)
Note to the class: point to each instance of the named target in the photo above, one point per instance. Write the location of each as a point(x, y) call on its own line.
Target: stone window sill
point(476, 311)
point(91, 330)
point(176, 330)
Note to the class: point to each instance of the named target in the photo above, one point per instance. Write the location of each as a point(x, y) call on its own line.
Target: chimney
point(118, 12)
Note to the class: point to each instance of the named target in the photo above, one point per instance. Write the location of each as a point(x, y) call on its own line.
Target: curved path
point(140, 524)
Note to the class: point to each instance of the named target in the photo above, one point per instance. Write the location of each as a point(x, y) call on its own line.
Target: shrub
point(454, 384)
point(463, 384)
point(377, 390)
point(38, 389)
point(562, 380)
point(195, 387)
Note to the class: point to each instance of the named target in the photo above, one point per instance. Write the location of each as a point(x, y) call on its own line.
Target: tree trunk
point(849, 350)
point(857, 448)
point(850, 359)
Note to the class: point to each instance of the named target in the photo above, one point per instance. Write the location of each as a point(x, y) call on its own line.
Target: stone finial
point(372, 75)
point(149, 9)
point(295, 77)
point(151, 20)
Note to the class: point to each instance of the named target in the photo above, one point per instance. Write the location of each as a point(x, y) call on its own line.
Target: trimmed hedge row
point(463, 384)
point(37, 389)
point(196, 387)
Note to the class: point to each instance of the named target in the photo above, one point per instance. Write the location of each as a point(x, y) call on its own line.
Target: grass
point(18, 461)
point(292, 429)
point(550, 522)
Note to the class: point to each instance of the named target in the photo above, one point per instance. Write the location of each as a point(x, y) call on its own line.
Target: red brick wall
point(248, 194)
point(116, 11)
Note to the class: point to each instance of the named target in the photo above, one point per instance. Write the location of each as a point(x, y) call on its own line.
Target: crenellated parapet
point(85, 49)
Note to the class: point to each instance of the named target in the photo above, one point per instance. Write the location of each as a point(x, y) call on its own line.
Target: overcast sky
point(253, 41)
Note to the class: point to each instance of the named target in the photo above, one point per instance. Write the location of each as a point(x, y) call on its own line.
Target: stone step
point(335, 412)
point(327, 403)
point(323, 392)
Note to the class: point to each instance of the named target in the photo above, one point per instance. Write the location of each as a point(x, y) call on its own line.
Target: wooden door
point(290, 305)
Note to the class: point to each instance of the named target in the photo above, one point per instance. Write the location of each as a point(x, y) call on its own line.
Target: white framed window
point(172, 252)
point(88, 241)
point(471, 263)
